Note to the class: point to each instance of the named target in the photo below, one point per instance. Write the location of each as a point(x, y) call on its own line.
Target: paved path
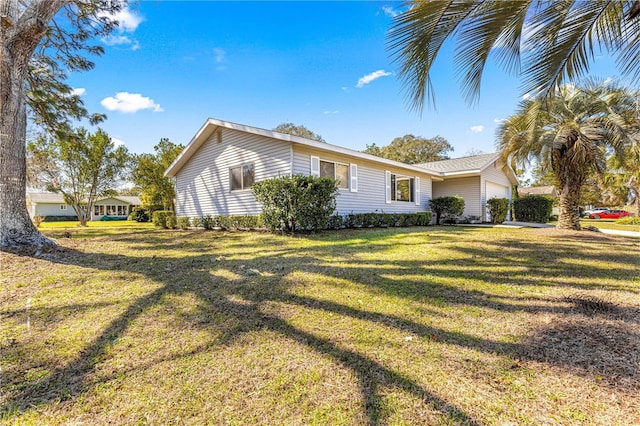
point(544, 225)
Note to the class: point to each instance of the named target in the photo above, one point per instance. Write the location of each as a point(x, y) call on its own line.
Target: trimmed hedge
point(386, 220)
point(164, 219)
point(498, 209)
point(228, 222)
point(533, 208)
point(59, 218)
point(296, 203)
point(139, 214)
point(183, 222)
point(447, 207)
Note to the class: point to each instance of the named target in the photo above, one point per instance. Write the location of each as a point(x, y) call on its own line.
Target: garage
point(494, 190)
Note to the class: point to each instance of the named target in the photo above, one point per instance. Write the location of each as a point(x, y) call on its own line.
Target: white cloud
point(499, 120)
point(128, 22)
point(330, 112)
point(126, 102)
point(221, 55)
point(117, 142)
point(79, 91)
point(389, 11)
point(344, 88)
point(476, 129)
point(371, 77)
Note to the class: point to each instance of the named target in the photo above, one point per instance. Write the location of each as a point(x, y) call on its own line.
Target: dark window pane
point(247, 176)
point(236, 178)
point(393, 187)
point(327, 169)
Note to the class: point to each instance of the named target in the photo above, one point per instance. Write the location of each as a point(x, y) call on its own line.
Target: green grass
point(606, 224)
point(436, 325)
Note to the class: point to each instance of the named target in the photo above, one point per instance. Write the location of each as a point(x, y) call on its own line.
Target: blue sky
point(325, 65)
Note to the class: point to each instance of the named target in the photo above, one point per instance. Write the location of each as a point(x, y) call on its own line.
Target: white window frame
point(390, 189)
point(352, 170)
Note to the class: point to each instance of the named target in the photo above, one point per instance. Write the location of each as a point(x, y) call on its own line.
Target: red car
point(609, 214)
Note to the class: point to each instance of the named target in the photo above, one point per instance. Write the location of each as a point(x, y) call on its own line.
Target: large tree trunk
point(19, 36)
point(569, 207)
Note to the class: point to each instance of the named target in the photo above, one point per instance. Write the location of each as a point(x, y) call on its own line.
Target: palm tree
point(553, 41)
point(572, 133)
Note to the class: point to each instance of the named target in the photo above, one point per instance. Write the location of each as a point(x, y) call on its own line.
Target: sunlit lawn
point(411, 326)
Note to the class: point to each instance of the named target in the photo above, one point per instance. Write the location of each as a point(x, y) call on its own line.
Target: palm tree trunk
point(570, 206)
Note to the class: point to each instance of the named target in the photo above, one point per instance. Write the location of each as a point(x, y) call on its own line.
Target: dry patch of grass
point(397, 326)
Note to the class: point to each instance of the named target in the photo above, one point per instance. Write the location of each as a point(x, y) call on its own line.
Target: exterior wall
point(371, 195)
point(203, 184)
point(466, 187)
point(51, 209)
point(109, 202)
point(493, 174)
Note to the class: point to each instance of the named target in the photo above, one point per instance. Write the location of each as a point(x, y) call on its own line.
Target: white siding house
point(475, 178)
point(211, 171)
point(51, 204)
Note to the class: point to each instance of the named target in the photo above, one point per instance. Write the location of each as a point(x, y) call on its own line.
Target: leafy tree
point(412, 149)
point(40, 40)
point(157, 191)
point(552, 42)
point(570, 135)
point(300, 131)
point(81, 166)
point(622, 178)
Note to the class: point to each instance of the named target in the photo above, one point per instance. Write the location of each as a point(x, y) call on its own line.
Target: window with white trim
point(63, 206)
point(400, 188)
point(337, 171)
point(242, 177)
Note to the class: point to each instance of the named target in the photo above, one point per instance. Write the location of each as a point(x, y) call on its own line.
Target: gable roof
point(474, 164)
point(56, 198)
point(212, 124)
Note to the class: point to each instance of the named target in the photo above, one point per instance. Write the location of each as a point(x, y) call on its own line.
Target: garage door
point(494, 190)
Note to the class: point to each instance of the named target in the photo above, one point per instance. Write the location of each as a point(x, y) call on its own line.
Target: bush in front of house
point(164, 219)
point(447, 207)
point(533, 208)
point(386, 220)
point(498, 209)
point(183, 222)
point(139, 214)
point(296, 203)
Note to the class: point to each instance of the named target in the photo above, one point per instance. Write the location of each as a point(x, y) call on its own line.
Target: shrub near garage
point(533, 208)
point(498, 209)
point(447, 207)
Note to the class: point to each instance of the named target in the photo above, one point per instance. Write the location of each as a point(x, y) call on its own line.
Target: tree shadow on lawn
point(550, 345)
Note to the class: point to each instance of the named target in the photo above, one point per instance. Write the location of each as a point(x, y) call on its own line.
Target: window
point(402, 188)
point(63, 206)
point(242, 177)
point(337, 171)
point(98, 210)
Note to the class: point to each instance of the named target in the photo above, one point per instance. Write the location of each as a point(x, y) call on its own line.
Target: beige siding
point(370, 196)
point(202, 185)
point(466, 187)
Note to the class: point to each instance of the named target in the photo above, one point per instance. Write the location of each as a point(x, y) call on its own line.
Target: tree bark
point(19, 36)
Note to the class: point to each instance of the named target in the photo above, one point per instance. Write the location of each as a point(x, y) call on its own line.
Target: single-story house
point(53, 204)
point(475, 178)
point(538, 190)
point(215, 171)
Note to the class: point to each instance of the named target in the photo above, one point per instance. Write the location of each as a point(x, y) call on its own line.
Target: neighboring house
point(538, 190)
point(52, 204)
point(549, 190)
point(475, 178)
point(214, 173)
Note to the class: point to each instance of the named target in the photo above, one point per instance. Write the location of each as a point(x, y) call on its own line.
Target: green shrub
point(296, 203)
point(498, 209)
point(447, 207)
point(533, 208)
point(59, 218)
point(385, 220)
point(184, 222)
point(629, 220)
point(336, 221)
point(139, 214)
point(164, 219)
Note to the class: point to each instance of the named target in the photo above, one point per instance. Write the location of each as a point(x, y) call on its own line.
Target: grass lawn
point(608, 224)
point(437, 325)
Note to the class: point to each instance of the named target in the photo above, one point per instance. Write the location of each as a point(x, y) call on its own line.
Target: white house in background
point(216, 170)
point(475, 178)
point(52, 204)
